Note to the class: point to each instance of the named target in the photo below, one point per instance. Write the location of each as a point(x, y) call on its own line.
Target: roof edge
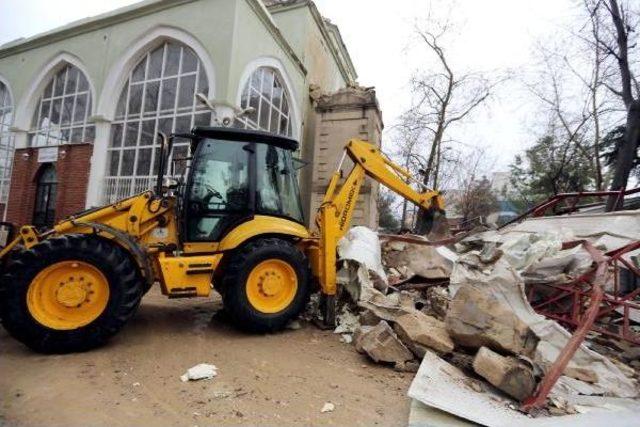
point(347, 70)
point(86, 25)
point(264, 14)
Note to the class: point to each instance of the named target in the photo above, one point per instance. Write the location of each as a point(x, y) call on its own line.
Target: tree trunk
point(626, 155)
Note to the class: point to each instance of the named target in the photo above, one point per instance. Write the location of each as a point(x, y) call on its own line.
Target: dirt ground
point(280, 379)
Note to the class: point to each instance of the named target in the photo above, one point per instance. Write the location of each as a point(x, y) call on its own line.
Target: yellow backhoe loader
point(235, 224)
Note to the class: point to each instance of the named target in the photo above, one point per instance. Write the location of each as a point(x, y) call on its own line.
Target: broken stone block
point(437, 302)
point(508, 374)
point(368, 318)
point(386, 307)
point(360, 332)
point(417, 260)
point(381, 344)
point(417, 331)
point(479, 319)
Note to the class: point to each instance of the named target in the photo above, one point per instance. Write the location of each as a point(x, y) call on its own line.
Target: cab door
point(219, 193)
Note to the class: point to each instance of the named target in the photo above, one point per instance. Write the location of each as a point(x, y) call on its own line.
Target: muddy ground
point(280, 379)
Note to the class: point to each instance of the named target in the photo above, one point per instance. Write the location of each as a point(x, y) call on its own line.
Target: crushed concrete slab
point(607, 231)
point(381, 344)
point(413, 259)
point(202, 371)
point(386, 307)
point(441, 386)
point(417, 331)
point(508, 374)
point(421, 415)
point(362, 245)
point(500, 281)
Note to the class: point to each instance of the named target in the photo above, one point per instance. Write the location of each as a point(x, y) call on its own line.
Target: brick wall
point(72, 169)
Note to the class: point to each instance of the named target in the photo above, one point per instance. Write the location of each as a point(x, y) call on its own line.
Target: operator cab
point(236, 174)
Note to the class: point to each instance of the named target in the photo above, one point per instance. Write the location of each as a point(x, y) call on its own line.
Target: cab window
point(218, 195)
point(277, 190)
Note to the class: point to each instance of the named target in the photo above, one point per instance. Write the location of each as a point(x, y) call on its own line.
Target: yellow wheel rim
point(272, 286)
point(68, 295)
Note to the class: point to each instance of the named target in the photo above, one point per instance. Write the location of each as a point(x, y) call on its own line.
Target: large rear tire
point(265, 284)
point(69, 293)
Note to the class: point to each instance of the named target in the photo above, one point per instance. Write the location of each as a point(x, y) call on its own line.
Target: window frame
point(48, 97)
point(254, 86)
point(7, 142)
point(122, 182)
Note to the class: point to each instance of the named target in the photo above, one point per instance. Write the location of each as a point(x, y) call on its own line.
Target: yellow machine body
point(147, 226)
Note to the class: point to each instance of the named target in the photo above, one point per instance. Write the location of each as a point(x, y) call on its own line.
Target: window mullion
point(175, 103)
point(156, 126)
point(62, 99)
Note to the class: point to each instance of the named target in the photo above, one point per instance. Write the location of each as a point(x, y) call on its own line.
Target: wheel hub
point(272, 286)
point(270, 283)
point(68, 295)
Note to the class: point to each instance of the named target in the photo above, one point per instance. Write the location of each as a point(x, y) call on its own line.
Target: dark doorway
point(44, 213)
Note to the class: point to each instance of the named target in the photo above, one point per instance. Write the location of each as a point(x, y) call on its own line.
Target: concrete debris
point(441, 385)
point(202, 371)
point(411, 260)
point(477, 319)
point(368, 318)
point(471, 310)
point(502, 285)
point(386, 307)
point(362, 245)
point(419, 331)
point(381, 344)
point(328, 407)
point(437, 302)
point(446, 398)
point(508, 374)
point(347, 322)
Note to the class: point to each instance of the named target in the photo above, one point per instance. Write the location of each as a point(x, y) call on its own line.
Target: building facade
point(80, 105)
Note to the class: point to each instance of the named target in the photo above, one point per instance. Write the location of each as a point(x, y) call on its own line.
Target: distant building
point(81, 104)
point(501, 184)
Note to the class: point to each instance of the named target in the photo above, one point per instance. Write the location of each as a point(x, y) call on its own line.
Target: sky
point(492, 36)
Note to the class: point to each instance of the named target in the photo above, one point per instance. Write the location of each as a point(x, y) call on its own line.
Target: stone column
point(352, 112)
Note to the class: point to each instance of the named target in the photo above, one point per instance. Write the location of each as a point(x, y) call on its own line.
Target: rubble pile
point(410, 303)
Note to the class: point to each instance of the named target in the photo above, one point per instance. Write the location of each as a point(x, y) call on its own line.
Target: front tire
point(69, 293)
point(265, 284)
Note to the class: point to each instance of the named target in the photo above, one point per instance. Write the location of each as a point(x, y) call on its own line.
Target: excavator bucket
point(432, 222)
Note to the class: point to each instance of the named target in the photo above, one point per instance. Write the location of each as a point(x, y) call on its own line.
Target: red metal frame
point(595, 280)
point(568, 303)
point(541, 208)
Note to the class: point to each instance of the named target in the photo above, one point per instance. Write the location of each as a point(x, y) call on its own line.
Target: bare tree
point(619, 20)
point(443, 97)
point(474, 198)
point(570, 117)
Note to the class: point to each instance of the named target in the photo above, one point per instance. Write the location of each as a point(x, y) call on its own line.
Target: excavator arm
point(336, 211)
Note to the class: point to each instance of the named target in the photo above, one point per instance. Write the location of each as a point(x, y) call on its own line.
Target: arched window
point(44, 213)
point(158, 97)
point(62, 111)
point(6, 141)
point(266, 94)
